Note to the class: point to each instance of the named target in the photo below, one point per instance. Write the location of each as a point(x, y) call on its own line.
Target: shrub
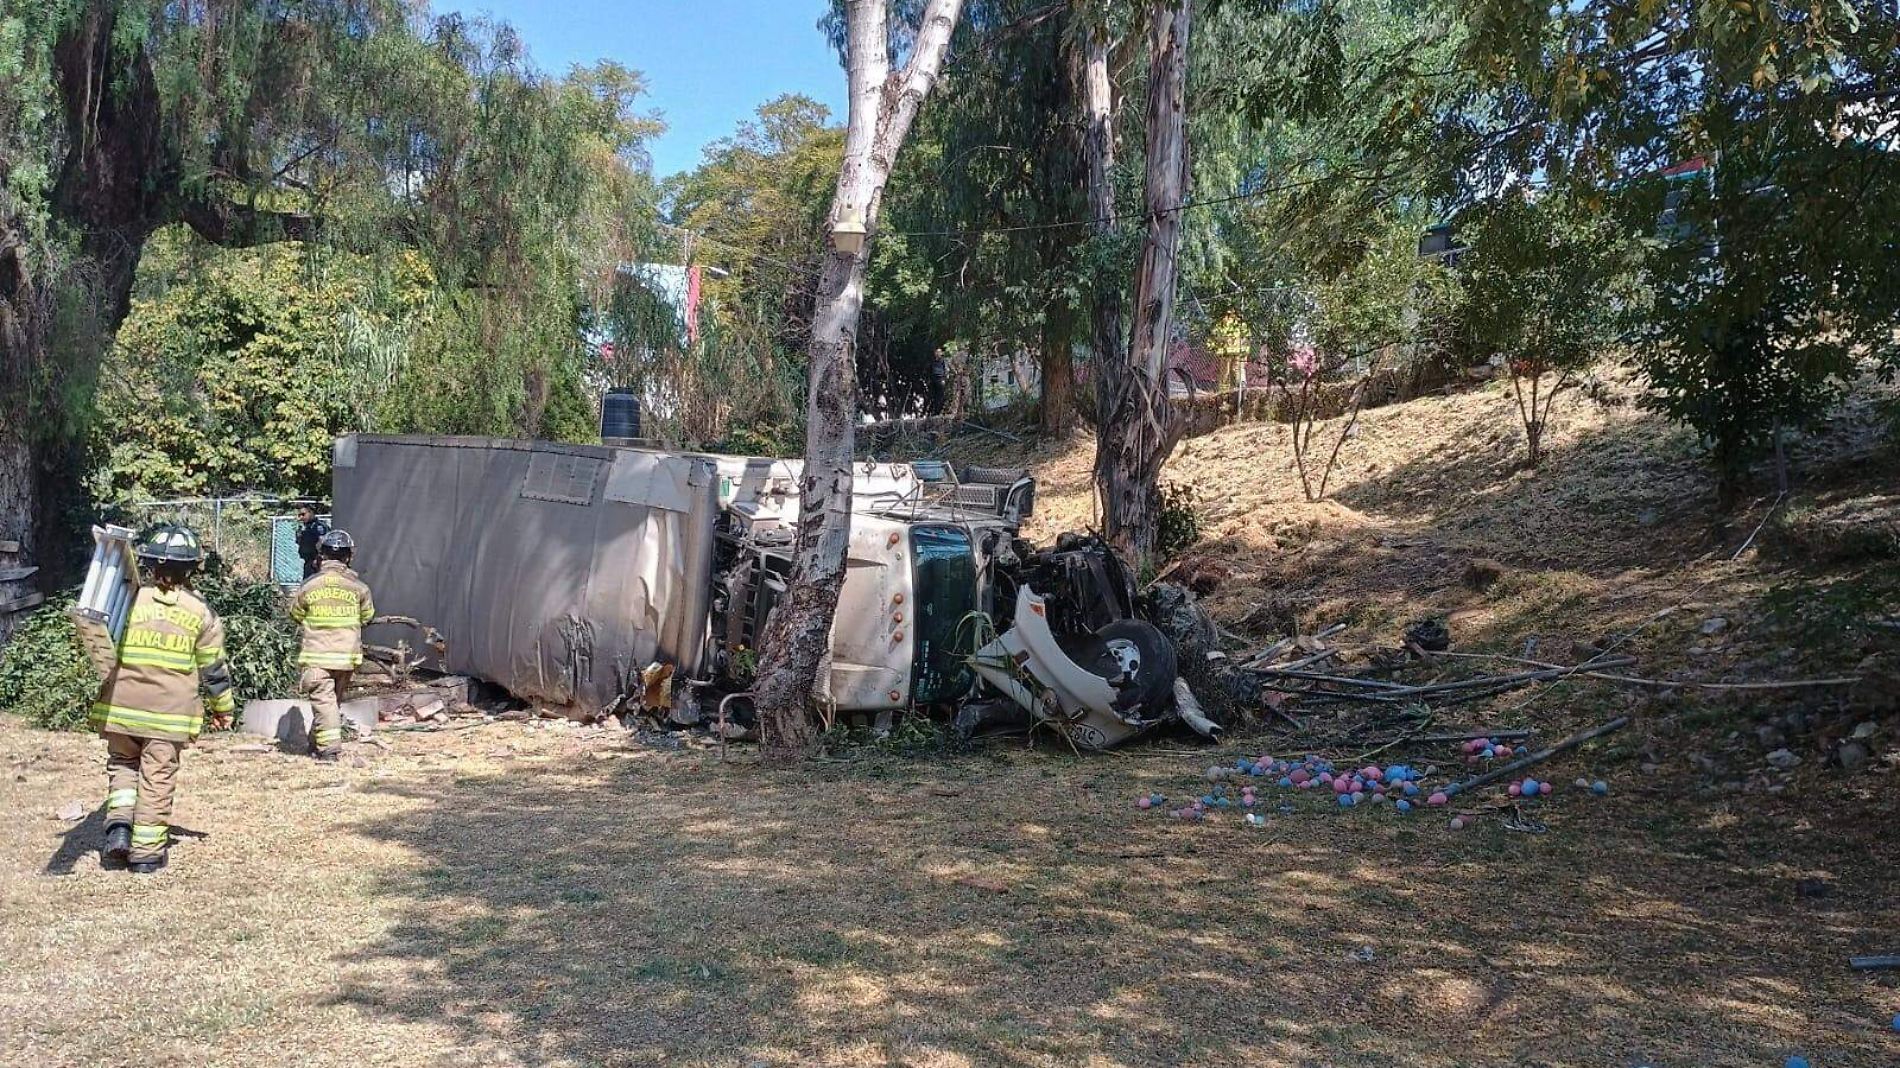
point(45, 675)
point(260, 641)
point(1179, 526)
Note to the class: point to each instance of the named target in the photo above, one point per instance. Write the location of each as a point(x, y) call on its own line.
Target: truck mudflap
point(1117, 685)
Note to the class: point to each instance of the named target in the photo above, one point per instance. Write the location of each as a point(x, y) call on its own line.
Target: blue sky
point(708, 62)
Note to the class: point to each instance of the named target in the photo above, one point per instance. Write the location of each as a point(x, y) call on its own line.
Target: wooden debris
point(1542, 755)
point(21, 604)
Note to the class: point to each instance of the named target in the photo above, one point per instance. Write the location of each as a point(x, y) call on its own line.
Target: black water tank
point(619, 414)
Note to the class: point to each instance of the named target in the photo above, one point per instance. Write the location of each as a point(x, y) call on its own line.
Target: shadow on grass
point(1024, 916)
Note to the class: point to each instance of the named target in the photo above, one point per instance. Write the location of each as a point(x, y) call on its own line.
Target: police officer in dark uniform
point(310, 532)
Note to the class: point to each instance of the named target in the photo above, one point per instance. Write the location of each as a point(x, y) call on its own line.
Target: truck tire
point(1136, 649)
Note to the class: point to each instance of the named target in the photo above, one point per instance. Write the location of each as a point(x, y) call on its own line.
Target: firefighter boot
point(118, 843)
point(150, 865)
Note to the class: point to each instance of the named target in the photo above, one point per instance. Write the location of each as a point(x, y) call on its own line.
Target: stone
point(1648, 517)
point(1771, 737)
point(1865, 729)
point(1811, 889)
point(72, 811)
point(1853, 756)
point(1784, 759)
point(1714, 625)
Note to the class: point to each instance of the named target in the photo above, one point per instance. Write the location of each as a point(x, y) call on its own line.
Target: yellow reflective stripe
point(346, 623)
point(154, 658)
point(179, 722)
point(149, 833)
point(207, 657)
point(329, 660)
point(122, 798)
point(222, 703)
point(326, 736)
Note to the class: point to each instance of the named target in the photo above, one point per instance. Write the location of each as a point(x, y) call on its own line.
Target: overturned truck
point(569, 574)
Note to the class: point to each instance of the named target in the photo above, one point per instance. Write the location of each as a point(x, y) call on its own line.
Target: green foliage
point(1772, 286)
point(1546, 284)
point(911, 736)
point(260, 641)
point(1180, 524)
point(755, 207)
point(45, 676)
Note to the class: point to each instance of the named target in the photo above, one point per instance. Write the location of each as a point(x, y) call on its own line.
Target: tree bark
point(1098, 145)
point(883, 104)
point(1136, 431)
point(1057, 407)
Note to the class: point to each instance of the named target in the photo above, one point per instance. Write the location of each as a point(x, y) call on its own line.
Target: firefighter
point(149, 709)
point(331, 606)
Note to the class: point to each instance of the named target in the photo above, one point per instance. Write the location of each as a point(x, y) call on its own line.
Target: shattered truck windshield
point(945, 585)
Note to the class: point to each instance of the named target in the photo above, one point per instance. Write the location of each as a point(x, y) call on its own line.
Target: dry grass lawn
point(511, 896)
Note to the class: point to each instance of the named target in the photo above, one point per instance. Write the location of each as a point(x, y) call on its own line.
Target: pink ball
point(1474, 745)
point(1438, 798)
point(1144, 803)
point(1372, 772)
point(1300, 777)
point(1504, 750)
point(1517, 789)
point(1342, 786)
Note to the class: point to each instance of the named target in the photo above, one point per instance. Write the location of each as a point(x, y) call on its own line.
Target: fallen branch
point(1400, 740)
point(1542, 755)
point(1869, 964)
point(1465, 736)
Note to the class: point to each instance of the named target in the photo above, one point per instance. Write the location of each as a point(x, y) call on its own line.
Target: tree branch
point(232, 225)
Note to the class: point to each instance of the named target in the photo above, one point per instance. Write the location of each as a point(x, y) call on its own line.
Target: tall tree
point(1135, 429)
point(884, 103)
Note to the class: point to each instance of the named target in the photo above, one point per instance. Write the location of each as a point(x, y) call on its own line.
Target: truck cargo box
point(558, 571)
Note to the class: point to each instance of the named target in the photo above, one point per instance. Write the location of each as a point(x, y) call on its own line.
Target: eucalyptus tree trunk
point(883, 104)
point(1098, 147)
point(1135, 428)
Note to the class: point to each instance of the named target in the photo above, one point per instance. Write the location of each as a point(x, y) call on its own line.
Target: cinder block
point(288, 722)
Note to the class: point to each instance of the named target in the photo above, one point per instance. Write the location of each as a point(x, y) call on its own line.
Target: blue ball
point(1531, 788)
point(1346, 801)
point(1599, 787)
point(1207, 799)
point(1284, 781)
point(1896, 1022)
point(1451, 788)
point(1403, 805)
point(1411, 789)
point(1797, 1061)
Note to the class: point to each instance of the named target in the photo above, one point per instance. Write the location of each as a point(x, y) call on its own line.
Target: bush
point(45, 675)
point(1179, 526)
point(260, 641)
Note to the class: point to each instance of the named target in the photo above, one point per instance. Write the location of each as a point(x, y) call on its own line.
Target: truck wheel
point(1138, 658)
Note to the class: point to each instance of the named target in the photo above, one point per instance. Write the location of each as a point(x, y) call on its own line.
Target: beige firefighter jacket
point(332, 606)
point(173, 644)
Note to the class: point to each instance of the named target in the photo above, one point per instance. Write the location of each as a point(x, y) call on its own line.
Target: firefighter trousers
point(141, 776)
point(324, 688)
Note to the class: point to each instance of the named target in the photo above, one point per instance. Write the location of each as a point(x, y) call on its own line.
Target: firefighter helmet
point(336, 544)
point(171, 544)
